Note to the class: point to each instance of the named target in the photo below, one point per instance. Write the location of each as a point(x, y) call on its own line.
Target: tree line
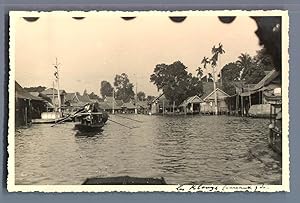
point(178, 84)
point(122, 89)
point(246, 70)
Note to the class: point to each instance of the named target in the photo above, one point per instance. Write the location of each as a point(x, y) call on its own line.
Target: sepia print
point(183, 101)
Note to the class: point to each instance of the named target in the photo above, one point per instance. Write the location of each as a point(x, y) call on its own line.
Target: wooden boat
point(275, 127)
point(275, 134)
point(89, 128)
point(124, 180)
point(91, 121)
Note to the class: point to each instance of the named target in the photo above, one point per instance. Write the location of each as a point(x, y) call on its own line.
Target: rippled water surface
point(182, 149)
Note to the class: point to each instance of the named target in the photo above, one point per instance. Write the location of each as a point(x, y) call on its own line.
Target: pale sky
point(99, 47)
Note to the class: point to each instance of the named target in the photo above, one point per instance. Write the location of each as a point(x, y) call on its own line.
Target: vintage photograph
point(172, 101)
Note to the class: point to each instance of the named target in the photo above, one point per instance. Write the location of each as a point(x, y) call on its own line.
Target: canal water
point(182, 149)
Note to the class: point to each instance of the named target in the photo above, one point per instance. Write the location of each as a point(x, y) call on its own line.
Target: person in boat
point(87, 120)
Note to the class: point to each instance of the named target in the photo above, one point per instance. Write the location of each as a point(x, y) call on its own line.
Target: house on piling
point(191, 105)
point(111, 105)
point(251, 100)
point(27, 106)
point(258, 99)
point(128, 107)
point(160, 105)
point(208, 97)
point(142, 107)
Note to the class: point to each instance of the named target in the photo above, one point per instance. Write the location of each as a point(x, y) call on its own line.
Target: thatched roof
point(128, 105)
point(83, 98)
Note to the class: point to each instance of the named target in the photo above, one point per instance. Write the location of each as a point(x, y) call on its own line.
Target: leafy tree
point(264, 60)
point(175, 82)
point(124, 88)
point(141, 96)
point(230, 73)
point(252, 70)
point(247, 69)
point(106, 89)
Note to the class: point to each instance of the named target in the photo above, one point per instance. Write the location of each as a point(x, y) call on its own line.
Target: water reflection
point(89, 134)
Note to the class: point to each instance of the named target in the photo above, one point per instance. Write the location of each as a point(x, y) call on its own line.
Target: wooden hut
point(191, 105)
point(208, 97)
point(27, 106)
point(251, 100)
point(142, 107)
point(128, 107)
point(160, 105)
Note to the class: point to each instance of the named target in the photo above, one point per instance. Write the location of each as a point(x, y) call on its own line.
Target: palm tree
point(205, 61)
point(216, 51)
point(244, 62)
point(199, 72)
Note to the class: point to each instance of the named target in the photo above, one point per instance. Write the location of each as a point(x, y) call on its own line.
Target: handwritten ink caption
point(220, 188)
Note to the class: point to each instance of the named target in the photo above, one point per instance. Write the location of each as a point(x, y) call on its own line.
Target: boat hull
point(89, 128)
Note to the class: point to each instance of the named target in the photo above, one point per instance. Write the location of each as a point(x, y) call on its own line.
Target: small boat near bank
point(49, 118)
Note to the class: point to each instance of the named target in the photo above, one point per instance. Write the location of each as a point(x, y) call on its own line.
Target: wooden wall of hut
point(23, 114)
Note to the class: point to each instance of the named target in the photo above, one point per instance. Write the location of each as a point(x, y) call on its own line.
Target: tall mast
point(53, 96)
point(136, 98)
point(215, 90)
point(113, 102)
point(56, 74)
